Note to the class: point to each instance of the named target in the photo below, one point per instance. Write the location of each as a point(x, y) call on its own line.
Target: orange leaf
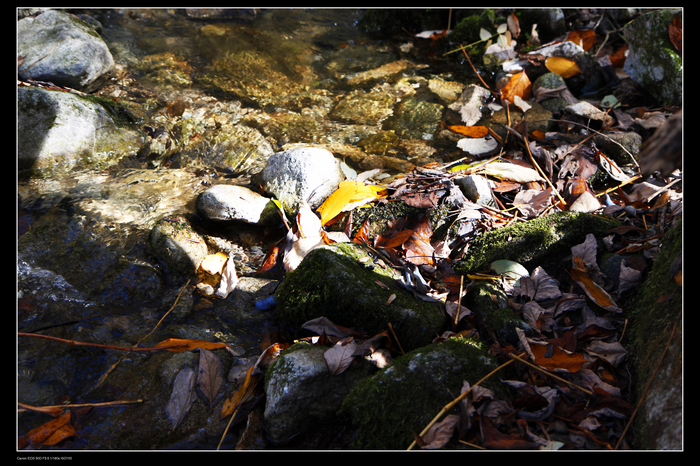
point(564, 67)
point(519, 84)
point(618, 58)
point(592, 289)
point(350, 194)
point(584, 37)
point(188, 345)
point(49, 433)
point(471, 131)
point(675, 32)
point(392, 241)
point(241, 395)
point(559, 359)
point(419, 251)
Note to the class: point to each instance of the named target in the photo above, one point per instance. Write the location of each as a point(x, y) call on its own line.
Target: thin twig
point(549, 374)
point(77, 405)
point(109, 371)
point(99, 345)
point(534, 162)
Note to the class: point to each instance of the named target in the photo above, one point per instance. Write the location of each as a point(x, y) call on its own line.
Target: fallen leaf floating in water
point(182, 396)
point(471, 131)
point(210, 376)
point(49, 434)
point(477, 146)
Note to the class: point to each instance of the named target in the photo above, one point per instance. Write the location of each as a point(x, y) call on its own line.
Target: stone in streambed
point(224, 203)
point(305, 173)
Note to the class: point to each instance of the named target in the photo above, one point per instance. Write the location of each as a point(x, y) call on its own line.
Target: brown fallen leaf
point(586, 38)
point(210, 376)
point(180, 345)
point(440, 433)
point(339, 356)
point(49, 433)
point(592, 289)
point(242, 394)
point(182, 396)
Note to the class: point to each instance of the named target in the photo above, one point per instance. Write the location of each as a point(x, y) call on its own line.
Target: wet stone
point(306, 173)
point(417, 119)
point(60, 48)
point(364, 108)
point(174, 241)
point(229, 202)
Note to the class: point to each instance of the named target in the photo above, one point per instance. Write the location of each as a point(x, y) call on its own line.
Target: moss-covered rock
point(490, 303)
point(652, 313)
point(653, 61)
point(400, 400)
point(531, 243)
point(331, 282)
point(301, 391)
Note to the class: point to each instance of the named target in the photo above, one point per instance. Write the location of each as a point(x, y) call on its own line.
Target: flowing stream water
point(84, 269)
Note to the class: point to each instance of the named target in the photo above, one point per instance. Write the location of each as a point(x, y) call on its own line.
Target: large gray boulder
point(60, 131)
point(60, 48)
point(301, 390)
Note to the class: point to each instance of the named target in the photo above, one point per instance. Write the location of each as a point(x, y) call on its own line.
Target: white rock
point(305, 173)
point(230, 202)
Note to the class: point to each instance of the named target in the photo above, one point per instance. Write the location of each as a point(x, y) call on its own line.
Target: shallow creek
point(84, 270)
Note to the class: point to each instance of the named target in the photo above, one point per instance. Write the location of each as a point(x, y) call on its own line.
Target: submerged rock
point(364, 108)
point(174, 241)
point(60, 48)
point(60, 131)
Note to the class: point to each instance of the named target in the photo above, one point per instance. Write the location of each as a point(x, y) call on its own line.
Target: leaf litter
point(573, 371)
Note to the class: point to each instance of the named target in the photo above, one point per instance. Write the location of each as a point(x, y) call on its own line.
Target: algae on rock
point(532, 242)
point(401, 399)
point(659, 423)
point(331, 282)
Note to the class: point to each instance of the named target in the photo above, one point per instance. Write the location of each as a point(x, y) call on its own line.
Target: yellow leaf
point(350, 194)
point(564, 67)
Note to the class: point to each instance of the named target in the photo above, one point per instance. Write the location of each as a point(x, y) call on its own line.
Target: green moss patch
point(400, 400)
point(531, 243)
point(331, 282)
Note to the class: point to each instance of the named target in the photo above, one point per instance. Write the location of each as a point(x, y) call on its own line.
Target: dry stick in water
point(449, 405)
point(135, 347)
